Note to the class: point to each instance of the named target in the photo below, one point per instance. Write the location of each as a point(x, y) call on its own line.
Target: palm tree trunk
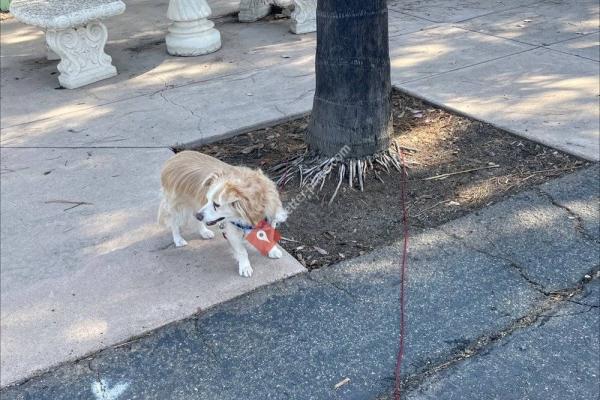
point(352, 103)
point(350, 128)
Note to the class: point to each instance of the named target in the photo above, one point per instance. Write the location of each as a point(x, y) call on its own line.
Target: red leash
point(398, 380)
point(403, 269)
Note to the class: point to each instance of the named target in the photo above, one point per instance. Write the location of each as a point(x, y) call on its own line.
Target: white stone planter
point(191, 33)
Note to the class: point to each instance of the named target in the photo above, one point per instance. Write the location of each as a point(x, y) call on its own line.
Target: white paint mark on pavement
point(102, 391)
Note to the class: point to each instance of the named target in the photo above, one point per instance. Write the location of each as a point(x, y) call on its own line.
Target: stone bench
point(74, 32)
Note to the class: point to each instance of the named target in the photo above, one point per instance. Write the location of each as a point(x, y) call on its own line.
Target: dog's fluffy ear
point(241, 206)
point(209, 180)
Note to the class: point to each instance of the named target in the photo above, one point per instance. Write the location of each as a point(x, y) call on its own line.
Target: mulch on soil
point(443, 146)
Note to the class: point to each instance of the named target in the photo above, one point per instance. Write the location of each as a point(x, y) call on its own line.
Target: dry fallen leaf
point(249, 149)
point(321, 251)
point(341, 383)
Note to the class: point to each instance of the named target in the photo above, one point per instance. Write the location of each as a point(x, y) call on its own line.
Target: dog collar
point(247, 227)
point(240, 225)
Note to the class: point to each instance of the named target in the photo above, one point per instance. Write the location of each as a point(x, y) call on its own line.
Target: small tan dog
point(200, 186)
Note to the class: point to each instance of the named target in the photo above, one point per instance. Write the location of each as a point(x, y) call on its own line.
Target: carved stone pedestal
point(82, 57)
point(191, 33)
point(253, 10)
point(304, 16)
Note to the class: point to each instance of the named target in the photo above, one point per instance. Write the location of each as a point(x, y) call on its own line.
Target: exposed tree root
point(313, 170)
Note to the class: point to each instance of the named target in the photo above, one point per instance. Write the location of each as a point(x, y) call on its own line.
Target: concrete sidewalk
point(476, 58)
point(499, 306)
point(78, 278)
point(91, 276)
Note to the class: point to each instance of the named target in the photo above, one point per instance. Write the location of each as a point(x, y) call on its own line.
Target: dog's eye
point(216, 205)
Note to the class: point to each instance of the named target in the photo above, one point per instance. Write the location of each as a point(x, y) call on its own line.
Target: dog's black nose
point(199, 216)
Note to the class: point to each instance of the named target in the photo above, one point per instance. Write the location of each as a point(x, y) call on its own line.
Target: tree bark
point(352, 103)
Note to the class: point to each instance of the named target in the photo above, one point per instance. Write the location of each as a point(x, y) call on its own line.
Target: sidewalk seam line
point(470, 18)
point(500, 11)
point(570, 54)
point(415, 16)
point(544, 46)
point(467, 66)
point(427, 28)
point(498, 37)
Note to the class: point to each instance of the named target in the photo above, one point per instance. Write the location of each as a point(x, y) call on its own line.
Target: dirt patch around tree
point(456, 166)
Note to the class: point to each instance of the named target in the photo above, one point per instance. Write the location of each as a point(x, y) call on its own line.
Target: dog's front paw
point(180, 242)
point(206, 233)
point(275, 252)
point(245, 269)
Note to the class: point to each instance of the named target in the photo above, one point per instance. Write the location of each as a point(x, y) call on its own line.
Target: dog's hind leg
point(177, 239)
point(205, 232)
point(172, 218)
point(177, 219)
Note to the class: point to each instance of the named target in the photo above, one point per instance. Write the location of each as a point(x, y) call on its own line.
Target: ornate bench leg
point(253, 10)
point(82, 57)
point(50, 55)
point(191, 33)
point(304, 16)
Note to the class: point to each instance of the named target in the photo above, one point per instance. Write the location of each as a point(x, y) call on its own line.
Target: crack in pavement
point(279, 110)
point(485, 342)
point(583, 304)
point(545, 318)
point(326, 281)
point(184, 107)
point(96, 374)
point(301, 96)
point(511, 263)
point(205, 341)
point(579, 222)
point(162, 94)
